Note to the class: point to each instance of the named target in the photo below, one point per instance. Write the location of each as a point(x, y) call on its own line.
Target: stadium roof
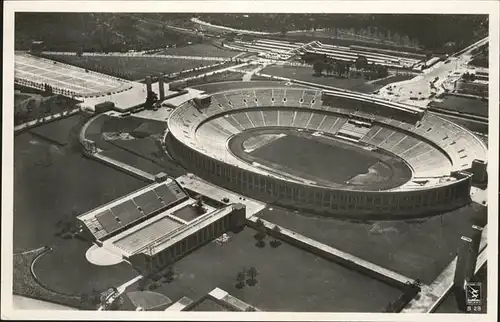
point(124, 212)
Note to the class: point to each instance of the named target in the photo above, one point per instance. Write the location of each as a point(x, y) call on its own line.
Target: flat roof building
point(155, 225)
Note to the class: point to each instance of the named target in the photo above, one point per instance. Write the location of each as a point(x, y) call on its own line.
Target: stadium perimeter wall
point(359, 204)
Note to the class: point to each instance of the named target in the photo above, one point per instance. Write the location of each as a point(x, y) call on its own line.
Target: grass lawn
point(393, 79)
point(25, 284)
point(122, 124)
point(303, 152)
point(133, 160)
point(306, 74)
point(53, 183)
point(142, 153)
point(463, 105)
point(132, 68)
point(200, 50)
point(418, 249)
point(289, 278)
point(57, 131)
point(66, 270)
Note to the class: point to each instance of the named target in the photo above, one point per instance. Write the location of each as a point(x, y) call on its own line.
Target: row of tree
point(32, 108)
point(242, 276)
point(432, 31)
point(262, 234)
point(342, 68)
point(469, 77)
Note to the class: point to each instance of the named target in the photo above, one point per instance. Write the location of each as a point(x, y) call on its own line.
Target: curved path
point(102, 257)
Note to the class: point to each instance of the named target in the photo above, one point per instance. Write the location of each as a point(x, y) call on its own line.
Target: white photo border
point(491, 8)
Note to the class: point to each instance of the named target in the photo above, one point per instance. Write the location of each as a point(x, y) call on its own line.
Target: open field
point(316, 158)
point(57, 132)
point(133, 160)
point(199, 50)
point(324, 286)
point(55, 183)
point(417, 248)
point(307, 74)
point(226, 75)
point(463, 105)
point(66, 270)
point(25, 284)
point(313, 158)
point(142, 150)
point(393, 79)
point(131, 68)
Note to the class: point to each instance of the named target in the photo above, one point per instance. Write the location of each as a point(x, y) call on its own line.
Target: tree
point(341, 68)
point(259, 236)
point(151, 98)
point(329, 67)
point(275, 242)
point(318, 67)
point(361, 62)
point(252, 274)
point(240, 277)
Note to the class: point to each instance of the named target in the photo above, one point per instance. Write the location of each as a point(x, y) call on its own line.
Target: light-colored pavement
point(442, 75)
point(100, 256)
point(248, 74)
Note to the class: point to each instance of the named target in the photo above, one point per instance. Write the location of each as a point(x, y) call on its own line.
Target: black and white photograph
point(176, 161)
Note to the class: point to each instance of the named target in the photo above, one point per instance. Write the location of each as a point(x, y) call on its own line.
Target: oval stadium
point(219, 162)
point(336, 153)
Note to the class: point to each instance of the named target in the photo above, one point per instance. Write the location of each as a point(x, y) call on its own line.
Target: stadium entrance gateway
point(158, 224)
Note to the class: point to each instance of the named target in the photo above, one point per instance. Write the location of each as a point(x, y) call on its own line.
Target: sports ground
point(55, 182)
point(325, 160)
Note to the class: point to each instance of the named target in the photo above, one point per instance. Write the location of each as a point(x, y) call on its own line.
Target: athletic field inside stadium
point(324, 160)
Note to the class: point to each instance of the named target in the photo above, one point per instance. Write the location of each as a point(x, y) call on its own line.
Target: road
point(139, 54)
point(444, 73)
